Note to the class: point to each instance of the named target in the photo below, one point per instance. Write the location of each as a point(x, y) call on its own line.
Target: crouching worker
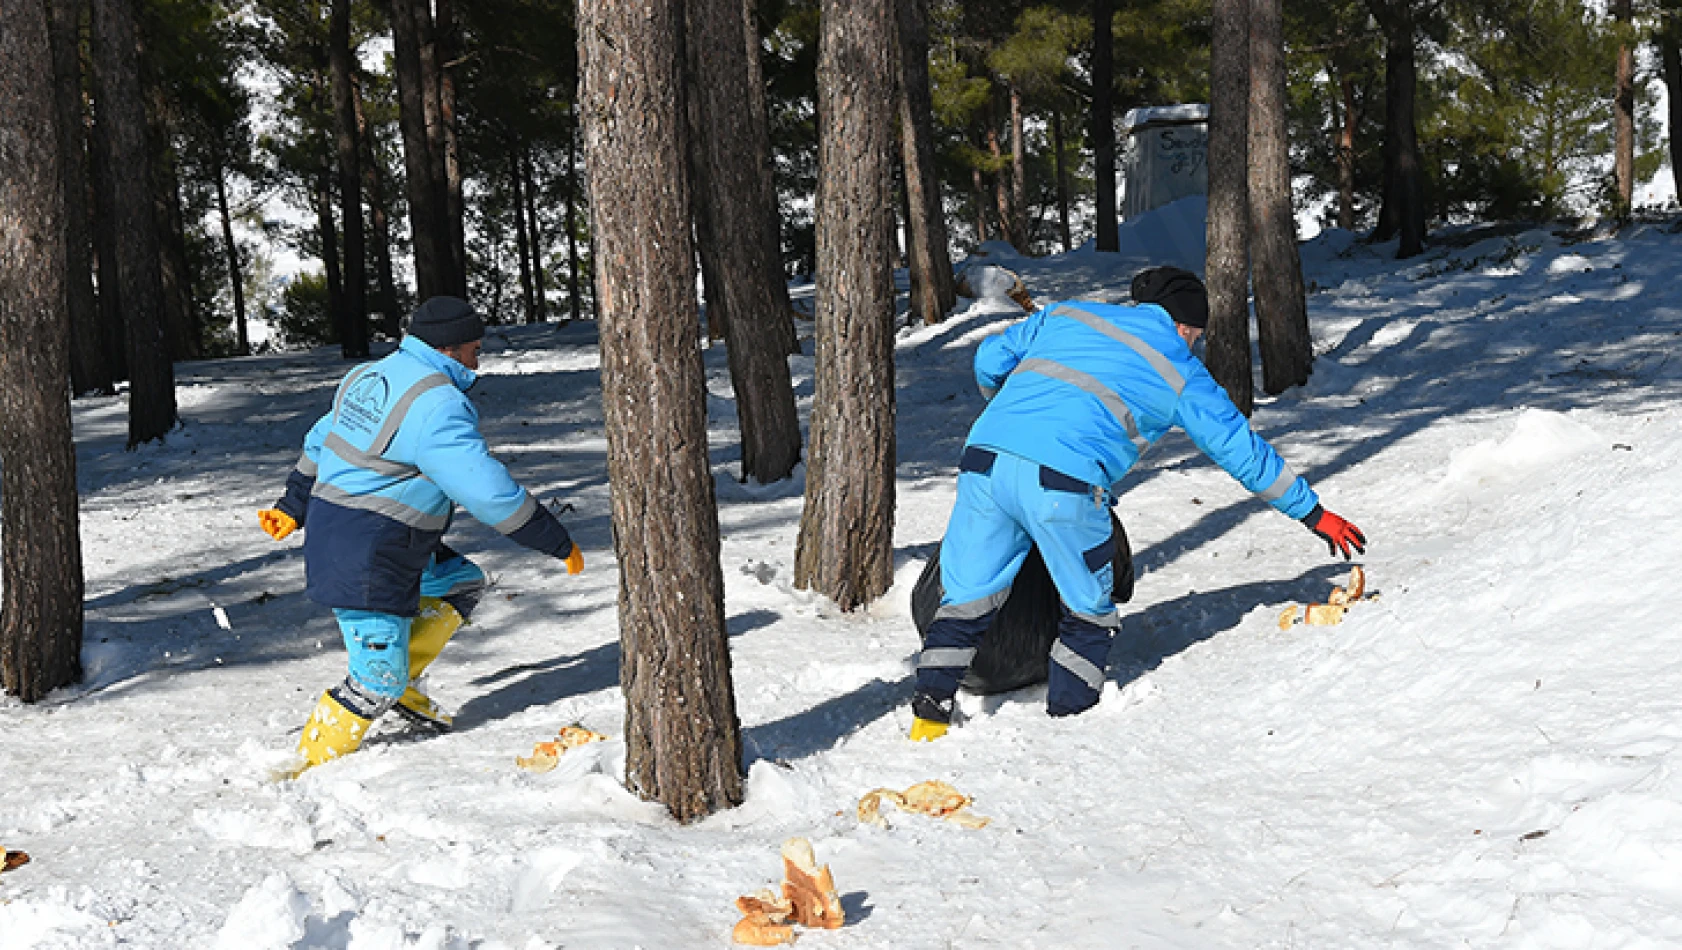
point(375, 488)
point(1076, 393)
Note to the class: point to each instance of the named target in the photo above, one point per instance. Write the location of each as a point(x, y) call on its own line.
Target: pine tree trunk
point(682, 737)
point(979, 191)
point(327, 230)
point(40, 550)
point(113, 333)
point(181, 331)
point(1403, 211)
point(1623, 112)
point(1062, 179)
point(1227, 271)
point(534, 230)
point(236, 274)
point(132, 222)
point(731, 215)
point(1018, 173)
point(575, 302)
point(522, 244)
point(1346, 153)
point(1287, 352)
point(428, 222)
point(1670, 60)
point(354, 344)
point(379, 221)
point(933, 290)
point(1103, 123)
point(1001, 187)
point(845, 549)
point(771, 231)
point(447, 43)
point(89, 370)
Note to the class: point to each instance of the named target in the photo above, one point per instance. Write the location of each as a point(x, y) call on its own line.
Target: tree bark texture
point(933, 289)
point(1351, 116)
point(328, 231)
point(348, 149)
point(1062, 178)
point(113, 333)
point(1103, 123)
point(1403, 212)
point(379, 221)
point(845, 548)
point(771, 231)
point(131, 220)
point(40, 549)
point(181, 330)
point(683, 741)
point(1227, 268)
point(575, 299)
point(1623, 111)
point(90, 371)
point(1670, 61)
point(428, 218)
point(1018, 172)
point(447, 44)
point(733, 211)
point(534, 231)
point(1287, 351)
point(236, 274)
point(522, 243)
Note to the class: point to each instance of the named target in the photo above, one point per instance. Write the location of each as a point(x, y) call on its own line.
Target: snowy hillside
point(1489, 754)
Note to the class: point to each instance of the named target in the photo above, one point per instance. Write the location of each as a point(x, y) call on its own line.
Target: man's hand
point(276, 523)
point(575, 560)
point(1338, 534)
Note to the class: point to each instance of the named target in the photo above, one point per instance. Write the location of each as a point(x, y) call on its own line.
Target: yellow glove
point(575, 560)
point(276, 523)
point(927, 730)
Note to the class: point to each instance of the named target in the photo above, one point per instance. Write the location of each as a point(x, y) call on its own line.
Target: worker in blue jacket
point(1076, 394)
point(377, 485)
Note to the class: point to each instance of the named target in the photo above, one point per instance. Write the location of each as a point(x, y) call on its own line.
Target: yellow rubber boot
point(332, 731)
point(927, 730)
point(433, 627)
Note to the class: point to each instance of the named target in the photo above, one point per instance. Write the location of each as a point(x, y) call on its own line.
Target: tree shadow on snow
point(524, 685)
point(822, 727)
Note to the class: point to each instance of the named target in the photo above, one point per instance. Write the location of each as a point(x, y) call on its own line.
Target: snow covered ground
point(1488, 755)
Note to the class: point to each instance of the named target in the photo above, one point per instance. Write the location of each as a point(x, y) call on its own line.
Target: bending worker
point(1076, 393)
point(377, 485)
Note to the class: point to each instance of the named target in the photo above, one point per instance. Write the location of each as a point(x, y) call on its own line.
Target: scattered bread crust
point(12, 860)
point(764, 920)
point(546, 755)
point(933, 798)
point(1337, 602)
point(810, 888)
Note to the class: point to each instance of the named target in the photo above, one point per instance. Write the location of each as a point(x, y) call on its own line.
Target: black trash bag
point(1015, 649)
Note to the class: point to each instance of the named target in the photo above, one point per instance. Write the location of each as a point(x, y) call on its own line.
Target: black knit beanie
point(1177, 291)
point(446, 321)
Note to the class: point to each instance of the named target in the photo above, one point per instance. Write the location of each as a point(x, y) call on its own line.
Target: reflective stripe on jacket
point(399, 449)
point(1086, 388)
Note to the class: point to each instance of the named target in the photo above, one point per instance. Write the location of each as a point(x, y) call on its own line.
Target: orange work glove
point(575, 560)
point(276, 523)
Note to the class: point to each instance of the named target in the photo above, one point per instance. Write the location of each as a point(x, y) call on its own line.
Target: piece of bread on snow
point(1289, 617)
point(1323, 615)
point(1357, 582)
point(810, 888)
point(757, 930)
point(935, 798)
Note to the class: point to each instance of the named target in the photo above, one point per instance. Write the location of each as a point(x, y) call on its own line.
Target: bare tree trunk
point(1670, 59)
point(733, 212)
point(328, 230)
point(236, 274)
point(682, 738)
point(1623, 111)
point(89, 369)
point(447, 44)
point(522, 243)
point(1403, 211)
point(379, 220)
point(428, 219)
point(759, 142)
point(1001, 188)
point(354, 343)
point(980, 191)
point(113, 332)
point(1018, 173)
point(1287, 351)
point(132, 222)
point(1228, 263)
point(575, 305)
point(40, 552)
point(534, 230)
point(1346, 153)
point(933, 290)
point(1103, 123)
point(181, 332)
point(845, 549)
point(1062, 179)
